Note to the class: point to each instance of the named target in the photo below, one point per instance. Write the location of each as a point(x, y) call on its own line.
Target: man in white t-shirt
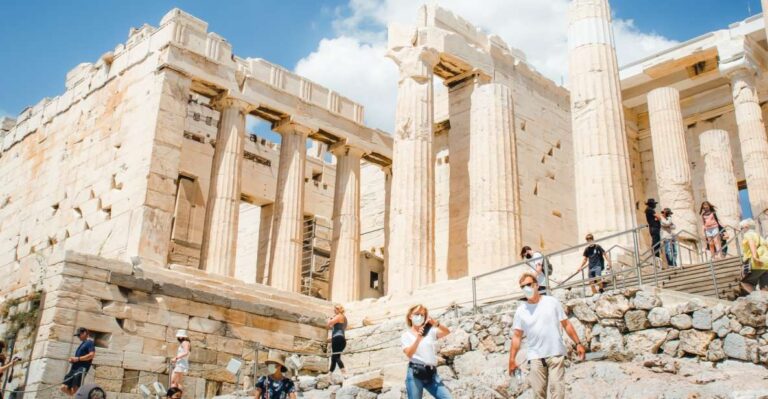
point(539, 319)
point(536, 263)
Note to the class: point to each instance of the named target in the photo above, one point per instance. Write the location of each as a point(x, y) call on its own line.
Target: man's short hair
point(526, 275)
point(524, 251)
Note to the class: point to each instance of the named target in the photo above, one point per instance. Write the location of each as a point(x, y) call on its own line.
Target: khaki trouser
point(553, 371)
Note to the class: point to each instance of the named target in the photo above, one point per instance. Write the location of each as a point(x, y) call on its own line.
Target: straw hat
point(181, 334)
point(277, 358)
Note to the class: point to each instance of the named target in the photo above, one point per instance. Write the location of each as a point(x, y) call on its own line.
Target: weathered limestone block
point(493, 227)
point(681, 321)
point(411, 249)
point(345, 245)
point(702, 319)
point(605, 201)
point(670, 157)
point(646, 341)
point(750, 312)
point(695, 342)
point(636, 320)
point(370, 381)
point(645, 300)
point(659, 317)
point(611, 306)
point(719, 177)
point(737, 347)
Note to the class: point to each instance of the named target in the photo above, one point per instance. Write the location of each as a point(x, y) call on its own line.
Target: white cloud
point(353, 63)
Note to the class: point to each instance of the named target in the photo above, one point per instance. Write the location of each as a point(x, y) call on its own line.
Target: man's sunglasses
point(527, 285)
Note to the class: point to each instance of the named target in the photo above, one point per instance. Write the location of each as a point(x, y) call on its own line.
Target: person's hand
point(432, 321)
point(582, 351)
point(72, 359)
point(512, 367)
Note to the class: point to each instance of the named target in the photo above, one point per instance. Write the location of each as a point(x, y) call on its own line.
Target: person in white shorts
point(181, 360)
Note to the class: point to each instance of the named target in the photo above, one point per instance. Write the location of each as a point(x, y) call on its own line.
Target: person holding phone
point(419, 343)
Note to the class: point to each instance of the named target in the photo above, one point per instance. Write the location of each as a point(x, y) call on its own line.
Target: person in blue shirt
point(275, 385)
point(81, 363)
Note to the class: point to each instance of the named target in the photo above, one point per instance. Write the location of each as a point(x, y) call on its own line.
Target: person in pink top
point(711, 228)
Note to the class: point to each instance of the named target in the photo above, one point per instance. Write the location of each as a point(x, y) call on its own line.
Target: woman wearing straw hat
point(181, 360)
point(275, 385)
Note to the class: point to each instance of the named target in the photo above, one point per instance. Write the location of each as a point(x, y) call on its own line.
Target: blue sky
point(42, 40)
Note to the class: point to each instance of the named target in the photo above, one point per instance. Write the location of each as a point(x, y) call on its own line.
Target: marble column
point(345, 244)
point(719, 177)
point(670, 159)
point(265, 237)
point(288, 209)
point(493, 233)
point(412, 214)
point(387, 207)
point(754, 144)
point(218, 255)
point(604, 197)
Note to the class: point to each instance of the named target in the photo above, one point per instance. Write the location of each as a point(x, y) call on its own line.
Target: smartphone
point(427, 327)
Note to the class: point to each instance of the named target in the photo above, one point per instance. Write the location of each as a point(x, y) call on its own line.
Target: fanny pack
point(422, 371)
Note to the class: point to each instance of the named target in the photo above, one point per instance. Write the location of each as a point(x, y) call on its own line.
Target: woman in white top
point(181, 360)
point(419, 343)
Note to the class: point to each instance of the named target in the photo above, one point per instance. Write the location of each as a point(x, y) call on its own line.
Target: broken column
point(412, 216)
point(219, 246)
point(345, 244)
point(604, 198)
point(288, 209)
point(719, 177)
point(493, 234)
point(754, 144)
point(670, 159)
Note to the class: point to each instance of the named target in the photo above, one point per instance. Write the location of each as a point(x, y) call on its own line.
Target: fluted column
point(387, 207)
point(719, 177)
point(288, 209)
point(493, 238)
point(604, 198)
point(345, 245)
point(218, 254)
point(412, 216)
point(670, 158)
point(754, 144)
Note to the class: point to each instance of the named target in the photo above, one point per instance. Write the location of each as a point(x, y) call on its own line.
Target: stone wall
point(705, 347)
point(134, 313)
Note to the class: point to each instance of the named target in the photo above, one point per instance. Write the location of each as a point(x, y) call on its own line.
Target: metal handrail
point(546, 257)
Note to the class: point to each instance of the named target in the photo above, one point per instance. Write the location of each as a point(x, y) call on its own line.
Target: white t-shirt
point(427, 350)
point(538, 259)
point(540, 324)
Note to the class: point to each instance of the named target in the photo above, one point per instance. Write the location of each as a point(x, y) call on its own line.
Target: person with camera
point(419, 343)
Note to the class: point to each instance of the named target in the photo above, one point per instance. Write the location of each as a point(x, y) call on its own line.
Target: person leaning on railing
point(754, 258)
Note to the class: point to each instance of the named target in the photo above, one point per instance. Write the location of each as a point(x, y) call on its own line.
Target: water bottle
point(519, 376)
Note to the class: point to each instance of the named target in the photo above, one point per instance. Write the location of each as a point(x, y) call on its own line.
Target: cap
point(650, 201)
point(182, 334)
point(80, 330)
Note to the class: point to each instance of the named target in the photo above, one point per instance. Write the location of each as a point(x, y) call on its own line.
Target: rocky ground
point(647, 350)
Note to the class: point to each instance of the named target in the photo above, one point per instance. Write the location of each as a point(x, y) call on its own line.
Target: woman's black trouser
point(656, 242)
point(338, 343)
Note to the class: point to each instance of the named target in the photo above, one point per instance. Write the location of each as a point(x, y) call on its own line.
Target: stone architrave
point(218, 255)
point(604, 197)
point(493, 238)
point(719, 178)
point(345, 244)
point(754, 144)
point(412, 213)
point(288, 209)
point(670, 159)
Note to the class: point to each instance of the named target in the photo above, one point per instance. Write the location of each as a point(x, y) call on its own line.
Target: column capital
point(342, 148)
point(223, 102)
point(415, 62)
point(740, 57)
point(287, 126)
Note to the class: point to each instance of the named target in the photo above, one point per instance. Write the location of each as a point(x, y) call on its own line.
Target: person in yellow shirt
point(754, 258)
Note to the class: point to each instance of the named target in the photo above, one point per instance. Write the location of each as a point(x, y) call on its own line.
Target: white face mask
point(528, 292)
point(417, 319)
point(271, 368)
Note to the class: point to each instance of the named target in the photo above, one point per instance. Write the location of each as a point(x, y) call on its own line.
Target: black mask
point(528, 256)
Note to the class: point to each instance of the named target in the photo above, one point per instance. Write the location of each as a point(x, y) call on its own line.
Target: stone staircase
point(691, 279)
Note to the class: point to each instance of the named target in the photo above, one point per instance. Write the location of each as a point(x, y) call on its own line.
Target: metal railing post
point(583, 287)
point(546, 274)
point(474, 294)
point(636, 243)
point(714, 278)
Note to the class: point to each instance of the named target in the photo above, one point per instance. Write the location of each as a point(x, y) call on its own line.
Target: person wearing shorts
point(181, 360)
point(754, 271)
point(711, 227)
point(595, 256)
point(81, 363)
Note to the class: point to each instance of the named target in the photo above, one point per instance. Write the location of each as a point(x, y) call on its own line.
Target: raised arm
point(410, 350)
point(336, 319)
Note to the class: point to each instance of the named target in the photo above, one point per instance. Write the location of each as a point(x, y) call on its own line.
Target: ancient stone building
point(137, 203)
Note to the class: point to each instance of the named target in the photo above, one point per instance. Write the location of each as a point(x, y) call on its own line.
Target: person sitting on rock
point(596, 256)
point(539, 319)
point(275, 385)
point(419, 343)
